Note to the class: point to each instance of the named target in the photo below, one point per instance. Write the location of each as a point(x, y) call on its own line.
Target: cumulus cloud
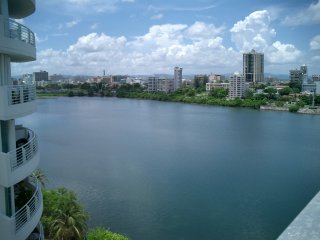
point(310, 15)
point(282, 53)
point(315, 43)
point(159, 50)
point(253, 32)
point(256, 32)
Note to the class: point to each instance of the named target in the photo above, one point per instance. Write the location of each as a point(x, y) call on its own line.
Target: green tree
point(64, 218)
point(103, 234)
point(248, 93)
point(70, 94)
point(42, 178)
point(285, 91)
point(200, 81)
point(295, 85)
point(219, 93)
point(294, 108)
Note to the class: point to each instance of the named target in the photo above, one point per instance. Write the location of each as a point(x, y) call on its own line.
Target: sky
point(86, 37)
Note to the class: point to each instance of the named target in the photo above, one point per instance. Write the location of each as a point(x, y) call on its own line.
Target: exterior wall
point(212, 86)
point(315, 78)
point(41, 76)
point(156, 84)
point(237, 86)
point(253, 67)
point(177, 81)
point(295, 75)
point(18, 146)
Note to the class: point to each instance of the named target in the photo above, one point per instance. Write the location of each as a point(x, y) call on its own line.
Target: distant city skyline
point(148, 37)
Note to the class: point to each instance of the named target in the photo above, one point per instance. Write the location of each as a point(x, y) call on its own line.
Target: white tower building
point(237, 86)
point(21, 201)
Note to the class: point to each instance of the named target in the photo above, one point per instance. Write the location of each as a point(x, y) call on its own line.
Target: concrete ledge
point(306, 226)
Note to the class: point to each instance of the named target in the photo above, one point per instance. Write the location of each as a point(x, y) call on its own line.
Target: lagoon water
point(170, 171)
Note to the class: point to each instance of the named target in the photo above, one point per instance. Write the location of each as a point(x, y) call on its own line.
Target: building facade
point(214, 85)
point(21, 201)
point(237, 86)
point(41, 76)
point(156, 84)
point(253, 67)
point(300, 75)
point(177, 80)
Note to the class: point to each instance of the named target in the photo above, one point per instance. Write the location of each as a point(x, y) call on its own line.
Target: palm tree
point(64, 218)
point(69, 225)
point(42, 178)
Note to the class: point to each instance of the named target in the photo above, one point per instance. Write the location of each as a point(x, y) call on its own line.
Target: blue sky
point(148, 37)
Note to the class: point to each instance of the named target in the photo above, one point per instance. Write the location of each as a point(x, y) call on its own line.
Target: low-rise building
point(156, 84)
point(214, 85)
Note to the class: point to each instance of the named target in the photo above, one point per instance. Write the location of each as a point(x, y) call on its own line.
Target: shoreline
point(219, 102)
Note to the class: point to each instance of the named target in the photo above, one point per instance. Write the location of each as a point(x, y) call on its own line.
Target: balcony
point(17, 41)
point(20, 32)
point(22, 161)
point(17, 101)
point(37, 233)
point(26, 219)
point(21, 8)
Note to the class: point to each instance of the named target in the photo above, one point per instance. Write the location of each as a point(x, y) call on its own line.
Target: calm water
point(162, 171)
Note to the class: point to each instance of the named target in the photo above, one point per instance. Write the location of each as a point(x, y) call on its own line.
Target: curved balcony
point(37, 234)
point(26, 219)
point(17, 101)
point(22, 161)
point(17, 41)
point(21, 8)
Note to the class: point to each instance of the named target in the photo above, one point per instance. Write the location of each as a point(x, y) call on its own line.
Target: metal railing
point(25, 153)
point(41, 232)
point(21, 94)
point(37, 234)
point(20, 32)
point(27, 212)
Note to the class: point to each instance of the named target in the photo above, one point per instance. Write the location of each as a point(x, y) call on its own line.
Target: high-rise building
point(300, 75)
point(21, 201)
point(177, 80)
point(237, 86)
point(41, 76)
point(253, 67)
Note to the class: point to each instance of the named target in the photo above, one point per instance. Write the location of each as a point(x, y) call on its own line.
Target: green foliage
point(41, 177)
point(63, 216)
point(80, 94)
point(260, 86)
point(70, 94)
point(293, 108)
point(103, 234)
point(270, 90)
point(285, 91)
point(260, 96)
point(200, 81)
point(307, 99)
point(295, 85)
point(248, 93)
point(219, 93)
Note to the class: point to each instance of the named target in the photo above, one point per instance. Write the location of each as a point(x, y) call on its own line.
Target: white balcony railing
point(20, 32)
point(18, 94)
point(37, 234)
point(27, 212)
point(25, 153)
